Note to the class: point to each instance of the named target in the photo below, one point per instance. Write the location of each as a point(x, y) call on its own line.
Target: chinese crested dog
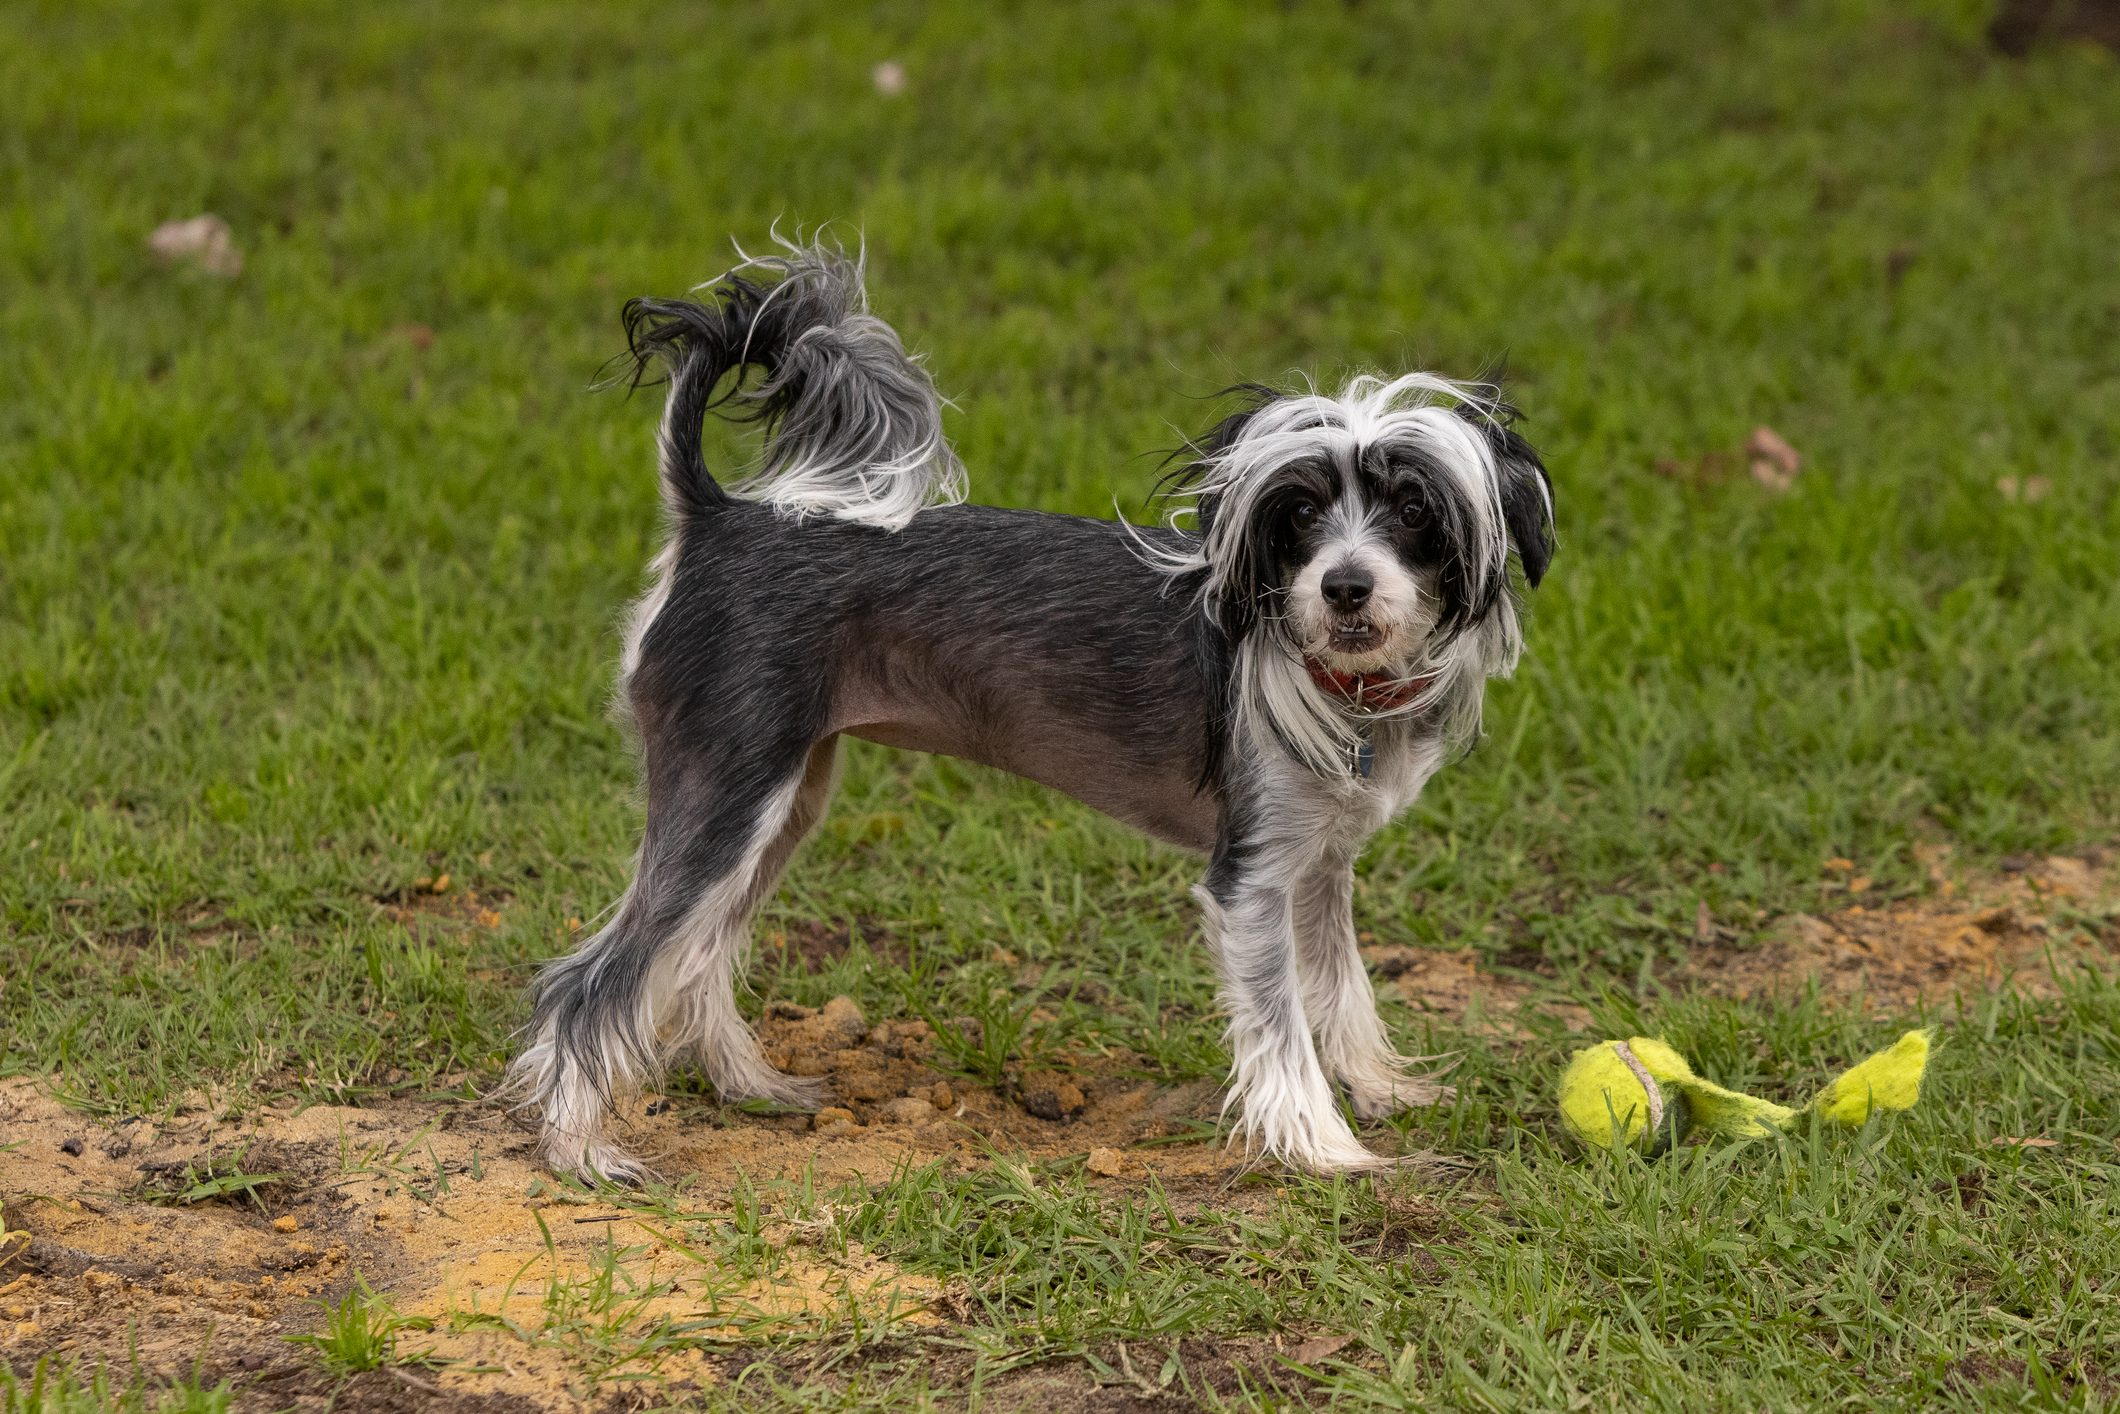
point(1268, 686)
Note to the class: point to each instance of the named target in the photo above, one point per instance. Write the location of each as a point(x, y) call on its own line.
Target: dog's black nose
point(1347, 588)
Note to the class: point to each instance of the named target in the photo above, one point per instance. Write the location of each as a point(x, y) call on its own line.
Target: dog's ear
point(1196, 462)
point(1204, 454)
point(1243, 585)
point(1526, 490)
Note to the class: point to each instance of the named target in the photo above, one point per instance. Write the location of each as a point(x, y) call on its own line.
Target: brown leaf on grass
point(1773, 461)
point(1704, 923)
point(203, 241)
point(1320, 1347)
point(2030, 491)
point(2031, 1142)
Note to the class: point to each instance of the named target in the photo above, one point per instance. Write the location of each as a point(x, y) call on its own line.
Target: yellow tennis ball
point(1622, 1093)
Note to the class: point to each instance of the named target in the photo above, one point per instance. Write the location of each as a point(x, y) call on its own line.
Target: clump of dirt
point(887, 1078)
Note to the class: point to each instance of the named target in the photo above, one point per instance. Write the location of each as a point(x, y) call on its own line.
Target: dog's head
point(1368, 534)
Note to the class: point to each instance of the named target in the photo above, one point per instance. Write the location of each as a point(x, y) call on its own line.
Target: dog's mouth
point(1354, 640)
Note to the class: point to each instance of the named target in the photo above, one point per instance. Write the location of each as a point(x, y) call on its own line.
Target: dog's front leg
point(1285, 1106)
point(1342, 1006)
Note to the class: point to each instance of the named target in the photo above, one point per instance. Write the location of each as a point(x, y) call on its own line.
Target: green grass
point(215, 1178)
point(294, 612)
point(50, 1388)
point(359, 1333)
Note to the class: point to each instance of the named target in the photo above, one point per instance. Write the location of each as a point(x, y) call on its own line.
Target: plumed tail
point(853, 424)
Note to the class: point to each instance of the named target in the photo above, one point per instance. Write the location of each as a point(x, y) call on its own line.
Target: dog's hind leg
point(1340, 1004)
point(706, 1026)
point(718, 810)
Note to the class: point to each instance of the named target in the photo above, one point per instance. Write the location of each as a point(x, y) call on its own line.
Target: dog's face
point(1358, 561)
point(1368, 531)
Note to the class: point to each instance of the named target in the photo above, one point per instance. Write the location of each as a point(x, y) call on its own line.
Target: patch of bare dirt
point(887, 1084)
point(816, 943)
point(1892, 954)
point(1454, 986)
point(1164, 1378)
point(447, 1213)
point(1896, 955)
point(442, 904)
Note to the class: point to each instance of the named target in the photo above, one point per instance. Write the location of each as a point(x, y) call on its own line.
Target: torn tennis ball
point(1622, 1092)
point(1641, 1094)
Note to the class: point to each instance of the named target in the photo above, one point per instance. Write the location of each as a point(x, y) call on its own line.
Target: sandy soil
point(1892, 955)
point(443, 1207)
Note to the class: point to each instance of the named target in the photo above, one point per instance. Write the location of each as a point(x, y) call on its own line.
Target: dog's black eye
point(1304, 514)
point(1410, 511)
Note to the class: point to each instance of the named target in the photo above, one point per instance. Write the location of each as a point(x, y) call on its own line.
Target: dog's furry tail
point(853, 424)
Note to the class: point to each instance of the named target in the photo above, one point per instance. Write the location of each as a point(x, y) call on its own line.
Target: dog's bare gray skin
point(1268, 688)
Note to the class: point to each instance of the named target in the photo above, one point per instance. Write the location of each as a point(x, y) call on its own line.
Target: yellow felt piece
point(1889, 1080)
point(1733, 1115)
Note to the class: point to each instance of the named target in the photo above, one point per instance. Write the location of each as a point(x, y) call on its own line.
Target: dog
point(1267, 678)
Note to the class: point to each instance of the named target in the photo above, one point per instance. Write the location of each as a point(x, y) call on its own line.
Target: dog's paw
point(1384, 1101)
point(1327, 1159)
point(595, 1161)
point(1391, 1087)
point(620, 1169)
point(1361, 1160)
point(740, 1073)
point(787, 1091)
point(1319, 1143)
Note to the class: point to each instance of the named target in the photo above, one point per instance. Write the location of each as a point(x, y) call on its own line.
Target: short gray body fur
point(1167, 678)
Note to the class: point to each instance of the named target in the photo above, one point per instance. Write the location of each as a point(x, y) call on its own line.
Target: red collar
point(1367, 692)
